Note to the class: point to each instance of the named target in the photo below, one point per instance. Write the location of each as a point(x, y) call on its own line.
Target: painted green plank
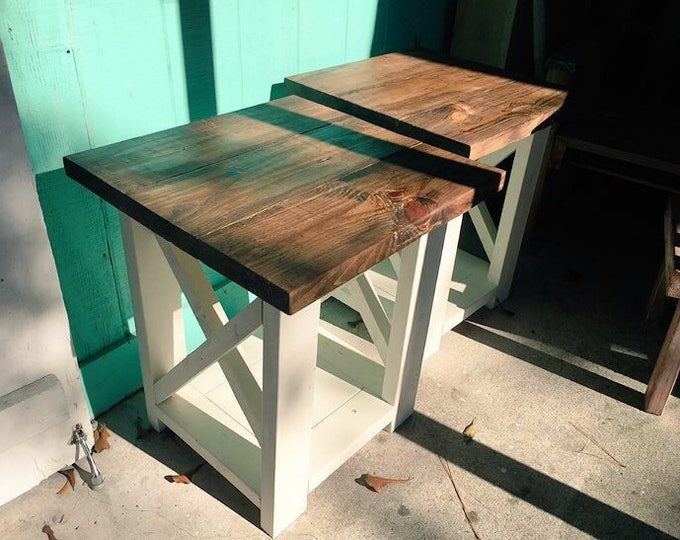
point(323, 34)
point(434, 24)
point(226, 39)
point(395, 25)
point(123, 69)
point(378, 27)
point(172, 35)
point(112, 376)
point(78, 235)
point(195, 22)
point(269, 38)
point(111, 221)
point(361, 15)
point(43, 73)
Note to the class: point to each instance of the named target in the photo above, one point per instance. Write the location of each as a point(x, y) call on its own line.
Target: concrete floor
point(555, 379)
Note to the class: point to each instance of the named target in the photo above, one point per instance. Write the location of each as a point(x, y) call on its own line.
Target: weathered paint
point(89, 73)
point(41, 396)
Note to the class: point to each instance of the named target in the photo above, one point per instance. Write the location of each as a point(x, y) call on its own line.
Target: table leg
point(418, 281)
point(157, 308)
point(518, 198)
point(448, 245)
point(666, 369)
point(290, 347)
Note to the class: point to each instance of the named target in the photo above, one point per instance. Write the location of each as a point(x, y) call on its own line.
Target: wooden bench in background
point(667, 364)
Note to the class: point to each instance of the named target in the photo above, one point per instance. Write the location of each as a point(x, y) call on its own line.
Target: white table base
point(276, 411)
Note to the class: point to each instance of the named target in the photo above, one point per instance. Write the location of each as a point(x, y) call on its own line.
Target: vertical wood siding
point(90, 73)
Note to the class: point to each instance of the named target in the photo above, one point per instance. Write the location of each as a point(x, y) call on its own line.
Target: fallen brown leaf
point(70, 484)
point(49, 532)
point(178, 479)
point(101, 436)
point(470, 430)
point(377, 484)
point(183, 478)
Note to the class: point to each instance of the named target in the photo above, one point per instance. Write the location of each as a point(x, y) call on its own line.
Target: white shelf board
point(470, 288)
point(206, 415)
point(341, 435)
point(206, 429)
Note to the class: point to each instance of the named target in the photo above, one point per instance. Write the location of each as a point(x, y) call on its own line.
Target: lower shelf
point(206, 416)
point(470, 288)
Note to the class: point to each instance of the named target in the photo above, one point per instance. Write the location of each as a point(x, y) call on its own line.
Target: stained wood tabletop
point(427, 97)
point(289, 199)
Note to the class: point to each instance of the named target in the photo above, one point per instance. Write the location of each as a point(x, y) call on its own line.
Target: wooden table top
point(428, 98)
point(289, 199)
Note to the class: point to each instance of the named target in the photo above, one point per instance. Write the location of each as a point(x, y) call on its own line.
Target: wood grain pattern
point(426, 97)
point(280, 199)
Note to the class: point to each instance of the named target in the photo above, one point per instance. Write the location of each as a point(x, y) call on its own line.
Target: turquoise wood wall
point(87, 73)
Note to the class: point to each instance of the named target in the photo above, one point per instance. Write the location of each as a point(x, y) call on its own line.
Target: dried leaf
point(101, 436)
point(183, 478)
point(377, 484)
point(70, 484)
point(49, 532)
point(470, 430)
point(178, 479)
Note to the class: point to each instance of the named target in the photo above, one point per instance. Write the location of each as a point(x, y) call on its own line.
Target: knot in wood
point(415, 210)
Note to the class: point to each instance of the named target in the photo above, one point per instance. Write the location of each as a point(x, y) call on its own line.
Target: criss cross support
point(212, 318)
point(156, 281)
point(465, 282)
point(519, 195)
point(308, 398)
point(157, 305)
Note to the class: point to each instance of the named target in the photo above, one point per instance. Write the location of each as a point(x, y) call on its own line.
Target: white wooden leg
point(494, 158)
point(246, 323)
point(157, 309)
point(395, 261)
point(366, 302)
point(485, 227)
point(212, 318)
point(418, 279)
point(290, 346)
point(196, 287)
point(449, 247)
point(519, 195)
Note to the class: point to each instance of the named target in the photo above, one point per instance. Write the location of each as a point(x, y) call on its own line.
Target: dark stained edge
point(287, 301)
point(267, 291)
point(405, 128)
point(377, 118)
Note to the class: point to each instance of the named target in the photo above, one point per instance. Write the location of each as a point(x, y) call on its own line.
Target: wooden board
point(672, 246)
point(289, 199)
point(430, 99)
